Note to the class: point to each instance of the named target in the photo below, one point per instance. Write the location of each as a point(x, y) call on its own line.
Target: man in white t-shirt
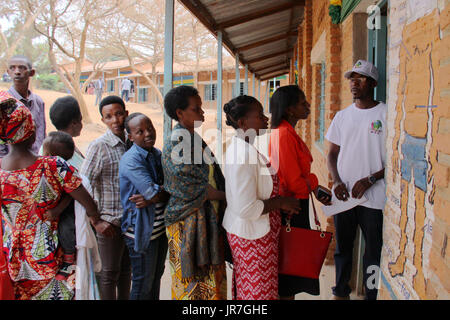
point(126, 87)
point(99, 86)
point(356, 161)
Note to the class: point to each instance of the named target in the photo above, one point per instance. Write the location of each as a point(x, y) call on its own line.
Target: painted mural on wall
point(411, 201)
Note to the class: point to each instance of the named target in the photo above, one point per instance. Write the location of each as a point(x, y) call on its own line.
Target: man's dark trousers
point(371, 223)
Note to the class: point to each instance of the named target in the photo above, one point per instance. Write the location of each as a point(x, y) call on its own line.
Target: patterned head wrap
point(16, 122)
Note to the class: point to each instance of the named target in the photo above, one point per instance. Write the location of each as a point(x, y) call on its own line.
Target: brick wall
point(320, 18)
point(416, 224)
point(316, 22)
point(346, 60)
point(304, 127)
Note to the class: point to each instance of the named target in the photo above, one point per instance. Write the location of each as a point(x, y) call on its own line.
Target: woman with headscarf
point(196, 204)
point(30, 186)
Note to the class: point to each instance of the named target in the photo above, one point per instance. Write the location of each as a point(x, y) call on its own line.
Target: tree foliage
point(59, 33)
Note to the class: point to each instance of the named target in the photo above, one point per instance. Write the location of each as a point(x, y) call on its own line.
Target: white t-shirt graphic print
point(361, 135)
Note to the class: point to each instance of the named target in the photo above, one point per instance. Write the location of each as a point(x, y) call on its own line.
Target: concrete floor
point(327, 277)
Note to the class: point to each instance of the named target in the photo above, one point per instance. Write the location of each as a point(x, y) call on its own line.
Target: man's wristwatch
point(372, 179)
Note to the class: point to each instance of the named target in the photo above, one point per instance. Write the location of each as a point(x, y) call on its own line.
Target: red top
point(293, 163)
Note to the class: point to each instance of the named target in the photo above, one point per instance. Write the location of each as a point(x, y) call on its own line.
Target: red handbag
point(6, 286)
point(303, 251)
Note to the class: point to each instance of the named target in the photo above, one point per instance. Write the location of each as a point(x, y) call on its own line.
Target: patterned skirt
point(44, 289)
point(212, 287)
point(255, 264)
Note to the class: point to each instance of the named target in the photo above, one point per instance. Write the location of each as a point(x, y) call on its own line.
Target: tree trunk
point(152, 84)
point(150, 81)
point(83, 106)
point(71, 84)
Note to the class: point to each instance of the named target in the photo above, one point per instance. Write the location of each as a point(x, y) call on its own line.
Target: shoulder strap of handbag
point(316, 220)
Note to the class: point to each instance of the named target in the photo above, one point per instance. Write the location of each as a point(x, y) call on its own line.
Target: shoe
point(340, 298)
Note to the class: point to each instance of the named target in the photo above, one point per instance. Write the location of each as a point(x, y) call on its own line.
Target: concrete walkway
point(327, 277)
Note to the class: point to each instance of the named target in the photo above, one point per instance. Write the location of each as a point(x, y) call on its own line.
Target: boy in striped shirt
point(143, 200)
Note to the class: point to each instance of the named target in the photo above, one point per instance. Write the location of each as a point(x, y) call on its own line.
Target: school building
point(409, 42)
point(113, 72)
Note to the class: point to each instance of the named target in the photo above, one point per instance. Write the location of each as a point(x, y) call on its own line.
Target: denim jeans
point(125, 93)
point(147, 268)
point(371, 223)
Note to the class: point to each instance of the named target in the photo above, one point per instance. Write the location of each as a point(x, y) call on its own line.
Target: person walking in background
point(143, 200)
point(6, 77)
point(193, 216)
point(292, 158)
point(20, 71)
point(359, 131)
point(99, 86)
point(252, 218)
point(30, 238)
point(101, 167)
point(126, 87)
point(132, 92)
point(90, 88)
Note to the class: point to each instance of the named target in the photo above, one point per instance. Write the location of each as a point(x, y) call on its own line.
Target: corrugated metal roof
point(262, 32)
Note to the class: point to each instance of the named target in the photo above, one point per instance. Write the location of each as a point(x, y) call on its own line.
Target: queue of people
point(144, 203)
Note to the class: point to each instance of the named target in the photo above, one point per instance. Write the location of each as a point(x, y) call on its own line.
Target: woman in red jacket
point(292, 158)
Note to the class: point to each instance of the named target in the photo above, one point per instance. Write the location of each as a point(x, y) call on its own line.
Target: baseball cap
point(365, 68)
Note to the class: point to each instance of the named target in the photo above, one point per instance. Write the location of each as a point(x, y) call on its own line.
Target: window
point(110, 85)
point(210, 92)
point(143, 94)
point(273, 86)
point(321, 125)
point(377, 51)
point(241, 89)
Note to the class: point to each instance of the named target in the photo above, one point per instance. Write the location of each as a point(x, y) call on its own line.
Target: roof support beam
point(168, 61)
point(266, 41)
point(269, 56)
point(264, 74)
point(267, 68)
point(259, 14)
point(275, 75)
point(219, 96)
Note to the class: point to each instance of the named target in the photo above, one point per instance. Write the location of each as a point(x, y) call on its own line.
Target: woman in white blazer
point(252, 218)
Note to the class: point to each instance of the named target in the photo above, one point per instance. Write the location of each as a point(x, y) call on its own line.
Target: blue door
point(377, 49)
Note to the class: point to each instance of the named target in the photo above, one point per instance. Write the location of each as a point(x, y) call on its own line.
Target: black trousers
point(371, 223)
